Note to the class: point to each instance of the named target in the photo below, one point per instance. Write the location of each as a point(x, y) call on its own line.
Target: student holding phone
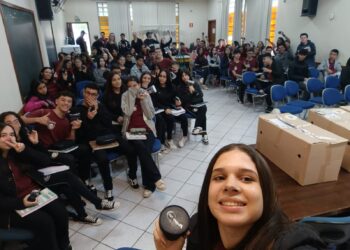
point(50, 223)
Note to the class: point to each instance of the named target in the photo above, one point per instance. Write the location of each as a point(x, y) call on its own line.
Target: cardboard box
point(305, 152)
point(337, 121)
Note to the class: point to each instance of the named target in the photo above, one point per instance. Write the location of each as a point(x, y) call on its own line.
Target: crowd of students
point(120, 87)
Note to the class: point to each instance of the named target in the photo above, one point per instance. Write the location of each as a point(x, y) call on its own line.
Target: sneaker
point(109, 195)
point(170, 144)
point(205, 87)
point(205, 139)
point(182, 141)
point(197, 130)
point(109, 205)
point(147, 193)
point(160, 185)
point(164, 149)
point(133, 183)
point(94, 221)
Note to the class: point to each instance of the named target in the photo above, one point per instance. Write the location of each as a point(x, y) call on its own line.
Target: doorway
point(74, 29)
point(212, 31)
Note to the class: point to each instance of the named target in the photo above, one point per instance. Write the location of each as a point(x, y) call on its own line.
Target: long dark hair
point(108, 96)
point(184, 71)
point(42, 71)
point(34, 91)
point(265, 230)
point(147, 73)
point(23, 129)
point(168, 80)
point(348, 63)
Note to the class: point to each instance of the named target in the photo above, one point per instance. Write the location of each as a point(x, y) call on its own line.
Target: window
point(273, 20)
point(177, 27)
point(231, 21)
point(102, 10)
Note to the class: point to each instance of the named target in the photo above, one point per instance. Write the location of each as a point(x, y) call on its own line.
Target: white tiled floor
point(183, 170)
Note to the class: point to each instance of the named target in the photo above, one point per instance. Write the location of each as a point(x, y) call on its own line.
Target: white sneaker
point(170, 144)
point(197, 130)
point(94, 221)
point(182, 141)
point(164, 149)
point(147, 193)
point(160, 185)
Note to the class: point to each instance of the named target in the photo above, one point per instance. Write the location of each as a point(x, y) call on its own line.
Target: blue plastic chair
point(347, 93)
point(331, 96)
point(313, 72)
point(292, 90)
point(332, 82)
point(314, 86)
point(278, 95)
point(248, 78)
point(333, 230)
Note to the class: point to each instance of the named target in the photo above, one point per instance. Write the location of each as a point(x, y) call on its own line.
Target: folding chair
point(331, 97)
point(248, 78)
point(278, 95)
point(314, 86)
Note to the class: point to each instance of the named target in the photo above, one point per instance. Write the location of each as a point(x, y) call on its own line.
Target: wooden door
point(212, 31)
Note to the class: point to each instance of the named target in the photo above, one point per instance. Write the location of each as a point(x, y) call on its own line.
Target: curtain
point(119, 18)
point(224, 18)
point(154, 16)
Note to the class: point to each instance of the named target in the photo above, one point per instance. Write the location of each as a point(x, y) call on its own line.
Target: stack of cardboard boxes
point(309, 152)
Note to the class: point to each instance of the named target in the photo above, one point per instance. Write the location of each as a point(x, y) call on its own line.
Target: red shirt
point(253, 63)
point(136, 119)
point(24, 184)
point(331, 66)
point(52, 90)
point(237, 67)
point(60, 132)
point(165, 64)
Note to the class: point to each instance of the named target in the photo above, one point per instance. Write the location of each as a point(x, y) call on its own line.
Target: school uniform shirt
point(237, 67)
point(165, 64)
point(60, 132)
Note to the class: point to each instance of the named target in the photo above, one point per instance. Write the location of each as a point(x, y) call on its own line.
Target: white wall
point(86, 10)
point(326, 33)
point(59, 29)
point(214, 13)
point(10, 98)
point(195, 12)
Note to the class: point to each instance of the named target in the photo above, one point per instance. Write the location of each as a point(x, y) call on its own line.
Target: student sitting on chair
point(190, 93)
point(330, 66)
point(65, 182)
point(38, 97)
point(139, 113)
point(49, 224)
point(96, 121)
point(165, 99)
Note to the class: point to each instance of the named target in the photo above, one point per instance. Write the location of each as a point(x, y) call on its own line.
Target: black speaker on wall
point(309, 8)
point(44, 9)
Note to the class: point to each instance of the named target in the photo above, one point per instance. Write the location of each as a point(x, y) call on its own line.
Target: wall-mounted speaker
point(309, 8)
point(44, 9)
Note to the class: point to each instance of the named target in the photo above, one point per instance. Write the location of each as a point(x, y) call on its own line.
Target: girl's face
point(133, 85)
point(69, 65)
point(237, 56)
point(116, 81)
point(7, 135)
point(102, 62)
point(185, 77)
point(14, 122)
point(105, 56)
point(235, 197)
point(227, 51)
point(42, 89)
point(146, 80)
point(47, 74)
point(78, 63)
point(162, 78)
point(121, 60)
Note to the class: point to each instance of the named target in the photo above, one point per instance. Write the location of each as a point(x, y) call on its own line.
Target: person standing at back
point(81, 42)
point(306, 44)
